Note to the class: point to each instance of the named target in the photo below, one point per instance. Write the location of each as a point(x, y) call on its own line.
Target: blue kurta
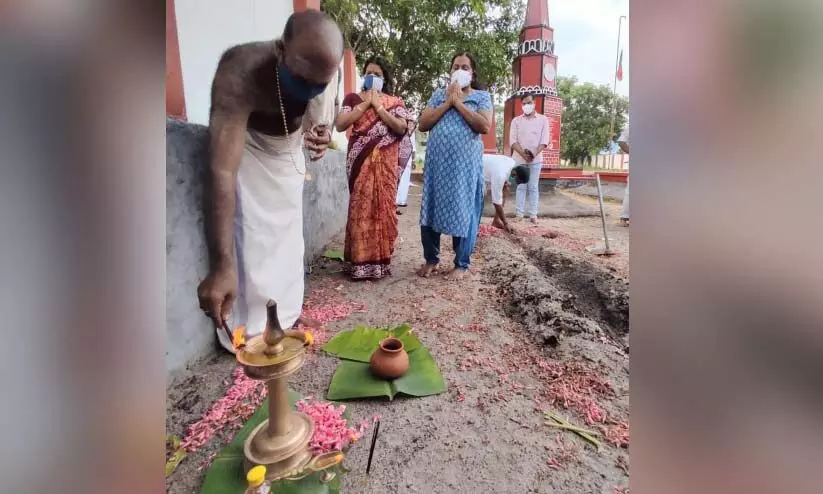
point(453, 174)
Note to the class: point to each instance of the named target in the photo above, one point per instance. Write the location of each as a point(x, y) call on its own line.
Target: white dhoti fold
point(269, 232)
point(403, 187)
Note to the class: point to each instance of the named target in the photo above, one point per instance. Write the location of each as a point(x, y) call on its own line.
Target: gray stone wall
point(325, 202)
point(189, 334)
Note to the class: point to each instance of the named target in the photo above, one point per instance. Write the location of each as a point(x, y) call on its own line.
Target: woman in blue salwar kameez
point(455, 118)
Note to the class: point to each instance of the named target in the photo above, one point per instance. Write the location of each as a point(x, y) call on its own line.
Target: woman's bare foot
point(456, 274)
point(427, 270)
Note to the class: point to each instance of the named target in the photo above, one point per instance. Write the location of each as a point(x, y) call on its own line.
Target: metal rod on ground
point(602, 212)
point(373, 442)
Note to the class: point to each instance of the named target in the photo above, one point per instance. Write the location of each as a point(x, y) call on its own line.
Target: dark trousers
point(463, 246)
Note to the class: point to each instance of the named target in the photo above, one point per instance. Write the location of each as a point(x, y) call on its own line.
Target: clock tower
point(535, 72)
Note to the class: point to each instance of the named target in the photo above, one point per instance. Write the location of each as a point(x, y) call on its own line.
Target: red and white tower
point(535, 73)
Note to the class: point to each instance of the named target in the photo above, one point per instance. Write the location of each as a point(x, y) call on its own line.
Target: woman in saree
point(378, 122)
point(453, 182)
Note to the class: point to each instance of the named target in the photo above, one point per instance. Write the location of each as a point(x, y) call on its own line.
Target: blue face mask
point(297, 87)
point(373, 81)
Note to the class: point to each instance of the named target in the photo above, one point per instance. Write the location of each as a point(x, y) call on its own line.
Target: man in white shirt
point(623, 142)
point(528, 137)
point(497, 169)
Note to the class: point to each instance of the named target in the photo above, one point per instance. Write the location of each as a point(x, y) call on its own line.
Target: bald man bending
point(269, 101)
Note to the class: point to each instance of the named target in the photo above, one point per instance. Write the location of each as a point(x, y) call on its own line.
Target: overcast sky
point(585, 36)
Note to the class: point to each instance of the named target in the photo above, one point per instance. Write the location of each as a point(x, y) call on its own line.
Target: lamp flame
point(238, 337)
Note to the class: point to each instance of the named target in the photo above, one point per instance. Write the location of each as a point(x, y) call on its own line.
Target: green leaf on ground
point(173, 442)
point(308, 485)
point(355, 380)
point(401, 330)
point(334, 254)
point(360, 343)
point(423, 377)
point(226, 476)
point(172, 463)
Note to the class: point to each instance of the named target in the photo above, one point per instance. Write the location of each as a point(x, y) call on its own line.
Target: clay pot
point(390, 360)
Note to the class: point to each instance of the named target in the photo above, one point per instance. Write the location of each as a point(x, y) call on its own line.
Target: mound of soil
point(555, 293)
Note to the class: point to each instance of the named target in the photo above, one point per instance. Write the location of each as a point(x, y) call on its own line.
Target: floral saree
point(373, 166)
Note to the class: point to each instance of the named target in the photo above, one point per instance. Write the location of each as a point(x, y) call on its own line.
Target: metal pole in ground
point(602, 212)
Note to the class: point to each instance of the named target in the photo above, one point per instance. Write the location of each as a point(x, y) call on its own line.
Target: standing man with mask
point(528, 137)
point(269, 101)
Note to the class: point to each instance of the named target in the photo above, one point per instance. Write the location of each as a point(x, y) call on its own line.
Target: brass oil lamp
point(280, 443)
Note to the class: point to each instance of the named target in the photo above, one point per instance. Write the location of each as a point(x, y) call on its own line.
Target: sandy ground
point(540, 324)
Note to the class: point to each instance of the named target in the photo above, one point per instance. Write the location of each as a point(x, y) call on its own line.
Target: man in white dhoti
point(268, 99)
point(405, 179)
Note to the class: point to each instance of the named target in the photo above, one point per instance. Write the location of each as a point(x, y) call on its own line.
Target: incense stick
point(373, 443)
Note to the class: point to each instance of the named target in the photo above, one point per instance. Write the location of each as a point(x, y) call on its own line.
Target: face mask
point(528, 108)
point(462, 77)
point(373, 81)
point(297, 87)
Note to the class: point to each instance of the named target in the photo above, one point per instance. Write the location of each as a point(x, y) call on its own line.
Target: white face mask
point(528, 108)
point(462, 77)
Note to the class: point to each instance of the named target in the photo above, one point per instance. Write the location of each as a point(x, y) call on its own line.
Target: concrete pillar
point(175, 98)
point(490, 139)
point(349, 71)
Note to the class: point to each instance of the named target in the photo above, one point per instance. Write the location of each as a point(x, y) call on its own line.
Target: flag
point(620, 67)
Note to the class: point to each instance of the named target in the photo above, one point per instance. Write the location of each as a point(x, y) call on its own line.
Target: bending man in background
point(497, 169)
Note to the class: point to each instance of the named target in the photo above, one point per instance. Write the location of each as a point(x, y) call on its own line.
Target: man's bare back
point(246, 78)
point(253, 85)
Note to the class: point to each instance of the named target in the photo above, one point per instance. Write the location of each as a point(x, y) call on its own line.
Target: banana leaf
point(334, 254)
point(355, 380)
point(359, 343)
point(423, 377)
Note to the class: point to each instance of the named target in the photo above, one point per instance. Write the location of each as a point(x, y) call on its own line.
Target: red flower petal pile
point(331, 431)
point(228, 413)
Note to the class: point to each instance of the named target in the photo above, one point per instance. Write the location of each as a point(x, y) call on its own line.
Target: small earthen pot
point(390, 360)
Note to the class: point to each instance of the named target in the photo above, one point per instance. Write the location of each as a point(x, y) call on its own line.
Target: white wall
point(207, 28)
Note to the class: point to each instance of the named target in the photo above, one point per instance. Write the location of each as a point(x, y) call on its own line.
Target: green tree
point(587, 113)
point(419, 37)
point(499, 119)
